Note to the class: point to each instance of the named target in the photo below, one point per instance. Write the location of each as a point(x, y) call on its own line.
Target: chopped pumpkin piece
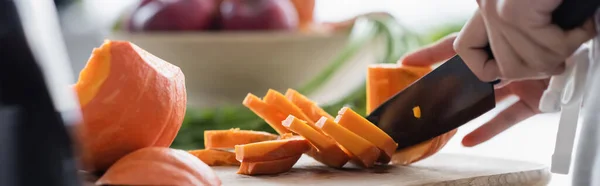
point(214, 157)
point(270, 113)
point(310, 108)
point(159, 166)
point(227, 139)
point(325, 149)
point(286, 106)
point(360, 126)
point(417, 112)
point(422, 150)
point(364, 152)
point(287, 136)
point(271, 150)
point(268, 167)
point(385, 80)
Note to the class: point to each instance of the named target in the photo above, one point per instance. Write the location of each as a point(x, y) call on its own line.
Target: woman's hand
point(525, 43)
point(529, 92)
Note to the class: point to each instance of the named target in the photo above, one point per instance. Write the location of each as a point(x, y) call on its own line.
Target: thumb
point(431, 54)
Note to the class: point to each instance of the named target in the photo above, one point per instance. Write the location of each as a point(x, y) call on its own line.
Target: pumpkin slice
point(385, 80)
point(308, 107)
point(286, 106)
point(159, 166)
point(271, 114)
point(130, 99)
point(269, 167)
point(360, 126)
point(325, 149)
point(271, 150)
point(227, 139)
point(422, 150)
point(214, 157)
point(364, 152)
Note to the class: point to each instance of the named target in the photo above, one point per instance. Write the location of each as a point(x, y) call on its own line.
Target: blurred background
point(327, 61)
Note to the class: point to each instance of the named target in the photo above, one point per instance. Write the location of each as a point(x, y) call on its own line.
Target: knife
point(451, 95)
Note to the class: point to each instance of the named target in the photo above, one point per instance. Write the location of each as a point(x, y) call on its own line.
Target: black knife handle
point(569, 14)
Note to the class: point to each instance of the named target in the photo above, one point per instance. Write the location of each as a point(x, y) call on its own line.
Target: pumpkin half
point(159, 166)
point(384, 81)
point(130, 99)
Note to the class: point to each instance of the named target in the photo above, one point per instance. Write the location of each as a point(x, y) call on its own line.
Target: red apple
point(258, 15)
point(173, 15)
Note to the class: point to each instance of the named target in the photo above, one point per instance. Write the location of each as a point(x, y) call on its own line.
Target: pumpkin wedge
point(360, 126)
point(159, 166)
point(310, 108)
point(325, 149)
point(364, 152)
point(271, 114)
point(214, 157)
point(271, 150)
point(385, 80)
point(130, 99)
point(269, 167)
point(227, 139)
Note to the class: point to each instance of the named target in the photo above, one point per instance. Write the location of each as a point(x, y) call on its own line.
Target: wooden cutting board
point(440, 169)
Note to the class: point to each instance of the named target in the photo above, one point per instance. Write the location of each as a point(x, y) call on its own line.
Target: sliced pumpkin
point(308, 107)
point(159, 166)
point(269, 167)
point(385, 80)
point(271, 150)
point(214, 157)
point(422, 150)
point(360, 126)
point(325, 149)
point(270, 113)
point(227, 139)
point(286, 106)
point(364, 152)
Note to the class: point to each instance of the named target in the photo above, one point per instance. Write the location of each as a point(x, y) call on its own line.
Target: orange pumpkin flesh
point(159, 166)
point(267, 112)
point(271, 150)
point(268, 167)
point(384, 81)
point(364, 152)
point(227, 139)
point(310, 108)
point(422, 150)
point(360, 126)
point(213, 157)
point(286, 106)
point(130, 99)
point(324, 149)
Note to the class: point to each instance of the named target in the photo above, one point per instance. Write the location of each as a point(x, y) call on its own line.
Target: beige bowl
point(221, 68)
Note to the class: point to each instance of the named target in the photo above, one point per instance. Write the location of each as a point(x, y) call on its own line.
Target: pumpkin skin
point(130, 99)
point(159, 166)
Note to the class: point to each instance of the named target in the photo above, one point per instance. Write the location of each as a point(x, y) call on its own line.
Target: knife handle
point(568, 15)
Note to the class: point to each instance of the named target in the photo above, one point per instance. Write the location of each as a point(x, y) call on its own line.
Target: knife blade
point(448, 97)
point(451, 95)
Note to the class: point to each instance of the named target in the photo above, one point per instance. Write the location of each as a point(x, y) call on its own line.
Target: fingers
point(504, 120)
point(434, 53)
point(469, 45)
